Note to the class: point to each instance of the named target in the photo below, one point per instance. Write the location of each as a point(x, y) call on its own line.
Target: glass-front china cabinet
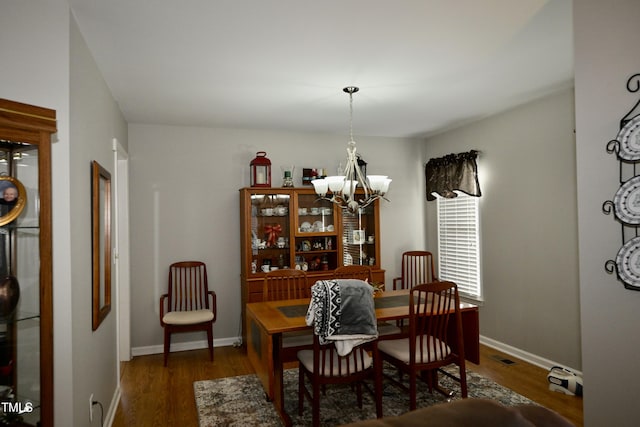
point(26, 312)
point(292, 228)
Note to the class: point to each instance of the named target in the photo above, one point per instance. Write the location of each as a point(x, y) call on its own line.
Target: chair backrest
point(362, 272)
point(432, 306)
point(417, 267)
point(285, 283)
point(188, 286)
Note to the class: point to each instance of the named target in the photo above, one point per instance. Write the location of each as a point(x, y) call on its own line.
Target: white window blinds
point(459, 243)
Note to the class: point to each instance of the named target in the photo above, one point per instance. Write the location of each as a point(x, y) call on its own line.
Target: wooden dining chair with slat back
point(188, 305)
point(362, 272)
point(417, 267)
point(322, 366)
point(429, 346)
point(285, 284)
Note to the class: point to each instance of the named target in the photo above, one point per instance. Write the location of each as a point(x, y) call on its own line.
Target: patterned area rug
point(240, 401)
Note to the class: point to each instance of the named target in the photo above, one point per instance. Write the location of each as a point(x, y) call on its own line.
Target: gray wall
point(95, 121)
point(606, 36)
point(527, 224)
point(185, 205)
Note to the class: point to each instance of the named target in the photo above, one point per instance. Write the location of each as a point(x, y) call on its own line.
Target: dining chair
point(284, 284)
point(364, 272)
point(417, 267)
point(429, 345)
point(188, 305)
point(322, 366)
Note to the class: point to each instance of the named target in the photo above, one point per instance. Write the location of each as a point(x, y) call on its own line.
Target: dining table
point(267, 321)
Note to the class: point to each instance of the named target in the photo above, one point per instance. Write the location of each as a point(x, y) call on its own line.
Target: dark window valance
point(452, 172)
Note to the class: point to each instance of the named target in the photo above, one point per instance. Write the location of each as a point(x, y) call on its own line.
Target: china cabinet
point(292, 228)
point(26, 322)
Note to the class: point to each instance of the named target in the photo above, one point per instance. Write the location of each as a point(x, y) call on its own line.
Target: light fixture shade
point(336, 182)
point(320, 186)
point(385, 186)
point(348, 186)
point(376, 182)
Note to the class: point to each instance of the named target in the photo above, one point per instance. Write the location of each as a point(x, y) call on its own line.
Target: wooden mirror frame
point(100, 242)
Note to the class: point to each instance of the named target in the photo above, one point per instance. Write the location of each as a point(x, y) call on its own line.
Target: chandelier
point(341, 189)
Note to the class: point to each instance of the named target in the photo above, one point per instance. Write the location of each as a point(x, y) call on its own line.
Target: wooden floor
point(152, 395)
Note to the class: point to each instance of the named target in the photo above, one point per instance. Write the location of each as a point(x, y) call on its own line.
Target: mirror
point(13, 198)
point(101, 242)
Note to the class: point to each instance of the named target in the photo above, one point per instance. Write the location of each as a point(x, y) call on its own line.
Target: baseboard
point(184, 346)
point(524, 355)
point(113, 407)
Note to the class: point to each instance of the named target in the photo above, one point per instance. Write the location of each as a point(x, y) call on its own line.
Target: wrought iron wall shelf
point(626, 202)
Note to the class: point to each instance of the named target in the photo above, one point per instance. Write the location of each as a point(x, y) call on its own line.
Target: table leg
point(278, 379)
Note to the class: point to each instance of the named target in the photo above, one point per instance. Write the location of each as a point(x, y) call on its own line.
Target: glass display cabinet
point(291, 228)
point(26, 313)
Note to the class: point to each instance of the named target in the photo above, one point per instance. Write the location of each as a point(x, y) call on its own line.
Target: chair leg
point(377, 378)
point(412, 391)
point(167, 345)
point(463, 380)
point(301, 394)
point(316, 404)
point(210, 341)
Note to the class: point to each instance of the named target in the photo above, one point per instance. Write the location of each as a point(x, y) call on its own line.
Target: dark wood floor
point(153, 395)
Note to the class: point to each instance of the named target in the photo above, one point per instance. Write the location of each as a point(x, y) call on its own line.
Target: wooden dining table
point(267, 321)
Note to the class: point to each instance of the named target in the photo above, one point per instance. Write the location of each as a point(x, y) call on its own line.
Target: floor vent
point(503, 359)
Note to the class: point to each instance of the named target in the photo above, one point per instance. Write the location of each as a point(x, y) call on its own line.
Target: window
point(459, 243)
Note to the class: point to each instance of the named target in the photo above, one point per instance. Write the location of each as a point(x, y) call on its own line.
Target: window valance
point(452, 172)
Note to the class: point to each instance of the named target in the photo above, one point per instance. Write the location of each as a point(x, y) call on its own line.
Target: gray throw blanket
point(343, 311)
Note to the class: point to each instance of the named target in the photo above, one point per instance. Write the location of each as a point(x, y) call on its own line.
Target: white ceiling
point(422, 65)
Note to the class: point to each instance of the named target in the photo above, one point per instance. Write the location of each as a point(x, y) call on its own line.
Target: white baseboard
point(184, 346)
point(524, 355)
point(113, 407)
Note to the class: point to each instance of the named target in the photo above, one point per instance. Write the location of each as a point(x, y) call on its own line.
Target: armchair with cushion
point(188, 305)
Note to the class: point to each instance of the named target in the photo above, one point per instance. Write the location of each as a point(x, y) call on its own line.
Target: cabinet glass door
point(316, 246)
point(359, 241)
point(270, 231)
point(20, 258)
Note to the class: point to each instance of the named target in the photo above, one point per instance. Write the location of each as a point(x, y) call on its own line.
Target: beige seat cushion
point(187, 317)
point(400, 349)
point(306, 358)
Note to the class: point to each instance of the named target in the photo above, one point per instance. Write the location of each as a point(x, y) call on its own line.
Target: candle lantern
point(261, 170)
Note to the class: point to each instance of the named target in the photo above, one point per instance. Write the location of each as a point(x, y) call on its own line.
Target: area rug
point(240, 401)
